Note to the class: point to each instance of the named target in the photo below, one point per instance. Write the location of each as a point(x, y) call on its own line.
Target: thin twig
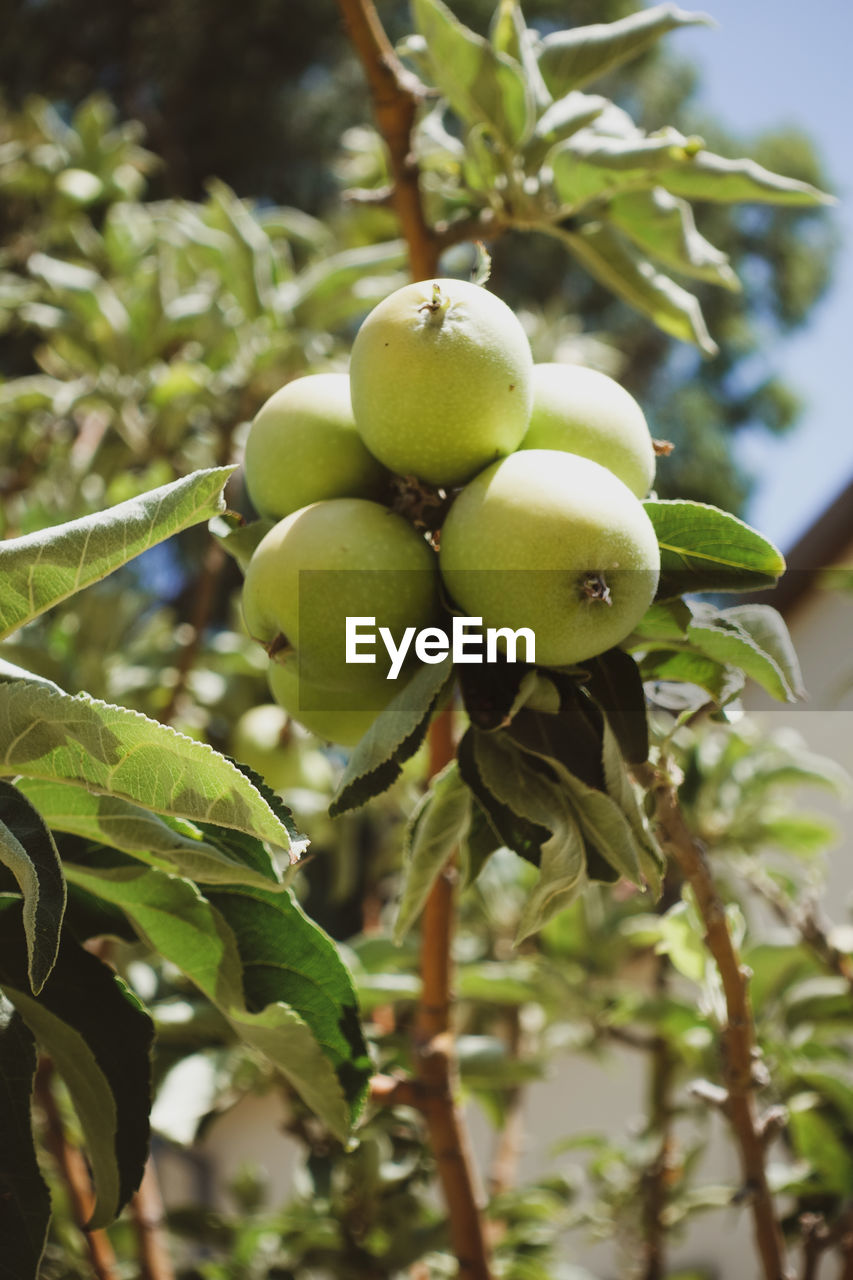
point(204, 599)
point(396, 94)
point(146, 1208)
point(807, 921)
point(73, 1168)
point(739, 1046)
point(655, 1182)
point(435, 1057)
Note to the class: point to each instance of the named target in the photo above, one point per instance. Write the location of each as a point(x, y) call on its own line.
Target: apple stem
point(437, 305)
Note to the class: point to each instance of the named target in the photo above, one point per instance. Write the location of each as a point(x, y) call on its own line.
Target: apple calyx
point(278, 645)
point(423, 505)
point(594, 587)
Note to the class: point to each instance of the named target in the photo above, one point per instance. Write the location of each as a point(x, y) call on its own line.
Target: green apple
point(440, 374)
point(343, 715)
point(303, 446)
point(263, 739)
point(579, 410)
point(345, 558)
point(556, 543)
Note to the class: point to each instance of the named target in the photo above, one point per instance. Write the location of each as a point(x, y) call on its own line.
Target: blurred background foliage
point(175, 246)
point(265, 100)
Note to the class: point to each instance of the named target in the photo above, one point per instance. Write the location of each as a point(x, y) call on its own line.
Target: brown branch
point(146, 1209)
point(204, 599)
point(655, 1182)
point(435, 1057)
point(807, 921)
point(74, 1170)
point(739, 1047)
point(396, 95)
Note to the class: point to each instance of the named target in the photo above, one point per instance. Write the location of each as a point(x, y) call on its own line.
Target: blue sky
point(767, 63)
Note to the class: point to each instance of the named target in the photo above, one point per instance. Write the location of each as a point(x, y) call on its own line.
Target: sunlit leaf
point(705, 549)
point(612, 261)
point(27, 848)
point(40, 569)
point(58, 737)
point(481, 85)
point(571, 59)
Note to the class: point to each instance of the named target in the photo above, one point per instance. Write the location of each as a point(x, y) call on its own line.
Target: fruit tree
point(406, 479)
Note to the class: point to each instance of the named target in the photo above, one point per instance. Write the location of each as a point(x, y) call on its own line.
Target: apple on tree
point(441, 380)
point(547, 534)
point(554, 542)
point(263, 738)
point(341, 715)
point(303, 447)
point(580, 410)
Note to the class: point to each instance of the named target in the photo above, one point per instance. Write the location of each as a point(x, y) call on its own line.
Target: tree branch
point(146, 1209)
point(73, 1168)
point(655, 1183)
point(739, 1046)
point(396, 95)
point(435, 1056)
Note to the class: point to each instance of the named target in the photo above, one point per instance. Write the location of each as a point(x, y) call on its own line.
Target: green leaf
point(663, 226)
point(505, 982)
point(616, 685)
point(602, 823)
point(816, 1140)
point(481, 85)
point(596, 164)
point(238, 538)
point(59, 737)
point(511, 35)
point(27, 848)
point(573, 737)
point(664, 620)
point(611, 260)
point(705, 176)
point(753, 638)
point(571, 59)
point(43, 568)
point(253, 280)
point(393, 738)
point(721, 682)
point(680, 938)
point(99, 1039)
point(621, 790)
point(802, 834)
point(492, 692)
point(766, 628)
point(563, 118)
point(317, 1044)
point(342, 286)
point(436, 828)
point(480, 842)
point(24, 1198)
point(287, 959)
point(705, 549)
point(523, 837)
point(172, 844)
point(536, 799)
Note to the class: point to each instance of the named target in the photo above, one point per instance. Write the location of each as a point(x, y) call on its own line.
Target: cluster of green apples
point(539, 468)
